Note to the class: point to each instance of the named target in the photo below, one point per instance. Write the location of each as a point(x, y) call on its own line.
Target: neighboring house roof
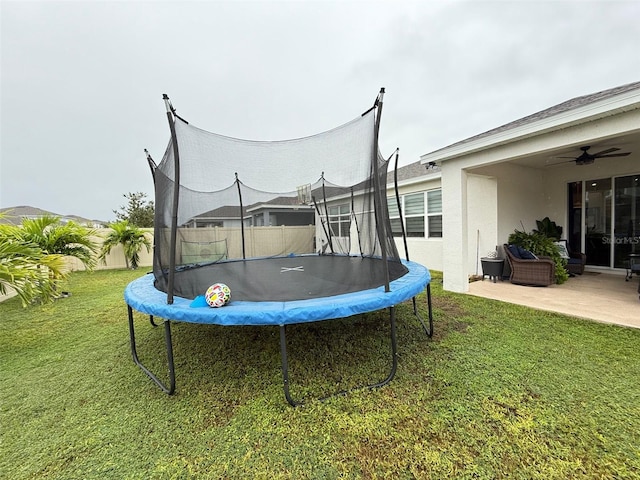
point(571, 112)
point(278, 202)
point(14, 215)
point(231, 211)
point(226, 211)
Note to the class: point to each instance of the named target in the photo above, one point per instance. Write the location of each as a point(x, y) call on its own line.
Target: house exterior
point(420, 210)
point(280, 211)
point(420, 195)
point(511, 176)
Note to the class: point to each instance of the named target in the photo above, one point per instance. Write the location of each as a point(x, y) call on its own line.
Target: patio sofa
point(527, 269)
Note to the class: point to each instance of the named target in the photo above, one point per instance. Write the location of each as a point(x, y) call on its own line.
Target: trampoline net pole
point(241, 216)
point(377, 199)
point(399, 203)
point(326, 213)
point(176, 196)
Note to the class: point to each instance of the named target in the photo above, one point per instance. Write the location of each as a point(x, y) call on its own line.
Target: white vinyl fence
point(259, 241)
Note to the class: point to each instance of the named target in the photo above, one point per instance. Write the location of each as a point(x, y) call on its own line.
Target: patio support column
point(482, 219)
point(455, 251)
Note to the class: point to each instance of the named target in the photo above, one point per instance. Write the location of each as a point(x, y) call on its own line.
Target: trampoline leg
point(152, 321)
point(428, 331)
point(392, 373)
point(285, 368)
point(169, 345)
point(394, 352)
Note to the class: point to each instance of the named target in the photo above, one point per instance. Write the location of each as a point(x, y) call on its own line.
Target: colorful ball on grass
point(217, 295)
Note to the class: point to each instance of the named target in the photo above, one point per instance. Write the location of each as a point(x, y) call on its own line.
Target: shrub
point(542, 246)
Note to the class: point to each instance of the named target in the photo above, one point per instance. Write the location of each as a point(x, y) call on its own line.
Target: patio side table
point(492, 267)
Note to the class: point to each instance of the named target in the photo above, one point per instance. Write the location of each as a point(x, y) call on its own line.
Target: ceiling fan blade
point(560, 163)
point(613, 155)
point(604, 152)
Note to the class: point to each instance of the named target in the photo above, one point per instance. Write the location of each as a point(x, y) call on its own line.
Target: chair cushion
point(574, 261)
point(514, 250)
point(562, 248)
point(521, 253)
point(526, 254)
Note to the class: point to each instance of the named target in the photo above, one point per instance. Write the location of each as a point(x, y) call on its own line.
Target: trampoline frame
point(169, 388)
point(405, 290)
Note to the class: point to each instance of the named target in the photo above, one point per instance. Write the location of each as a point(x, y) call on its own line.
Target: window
point(339, 220)
point(422, 214)
point(434, 213)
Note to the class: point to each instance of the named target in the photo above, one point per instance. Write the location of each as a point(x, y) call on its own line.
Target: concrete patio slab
point(595, 296)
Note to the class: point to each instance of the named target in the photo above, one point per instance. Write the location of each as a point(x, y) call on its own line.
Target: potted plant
point(542, 246)
point(549, 229)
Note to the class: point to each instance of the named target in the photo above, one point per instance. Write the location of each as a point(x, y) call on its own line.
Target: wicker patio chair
point(539, 272)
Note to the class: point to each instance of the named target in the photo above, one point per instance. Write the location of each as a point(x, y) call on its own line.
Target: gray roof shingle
point(566, 106)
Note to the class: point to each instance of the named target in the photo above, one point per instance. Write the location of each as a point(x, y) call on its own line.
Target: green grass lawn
point(500, 391)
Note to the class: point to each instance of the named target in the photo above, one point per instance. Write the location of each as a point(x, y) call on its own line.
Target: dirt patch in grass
point(448, 317)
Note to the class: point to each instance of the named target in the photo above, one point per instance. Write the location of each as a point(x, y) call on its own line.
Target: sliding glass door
point(626, 225)
point(604, 219)
point(598, 222)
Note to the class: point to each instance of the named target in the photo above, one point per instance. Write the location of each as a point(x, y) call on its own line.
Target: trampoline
point(349, 265)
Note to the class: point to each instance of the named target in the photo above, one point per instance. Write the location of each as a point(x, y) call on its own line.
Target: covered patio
point(576, 163)
point(603, 297)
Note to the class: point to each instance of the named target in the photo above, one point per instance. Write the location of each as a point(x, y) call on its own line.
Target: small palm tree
point(132, 240)
point(26, 269)
point(68, 239)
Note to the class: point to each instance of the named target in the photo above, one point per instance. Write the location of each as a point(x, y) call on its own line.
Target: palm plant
point(68, 239)
point(26, 269)
point(132, 240)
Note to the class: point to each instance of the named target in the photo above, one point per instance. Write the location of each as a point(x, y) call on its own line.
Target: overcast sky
point(82, 82)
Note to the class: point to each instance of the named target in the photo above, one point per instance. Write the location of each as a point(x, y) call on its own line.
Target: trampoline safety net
point(221, 199)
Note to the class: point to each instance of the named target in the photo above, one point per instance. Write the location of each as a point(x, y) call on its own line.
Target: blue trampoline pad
point(143, 296)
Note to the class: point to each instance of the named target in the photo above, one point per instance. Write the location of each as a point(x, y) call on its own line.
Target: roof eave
point(587, 113)
point(415, 180)
point(269, 206)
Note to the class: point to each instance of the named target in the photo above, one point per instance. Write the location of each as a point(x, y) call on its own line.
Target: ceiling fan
point(586, 158)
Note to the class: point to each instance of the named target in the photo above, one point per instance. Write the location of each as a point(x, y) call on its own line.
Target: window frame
point(342, 218)
point(425, 215)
